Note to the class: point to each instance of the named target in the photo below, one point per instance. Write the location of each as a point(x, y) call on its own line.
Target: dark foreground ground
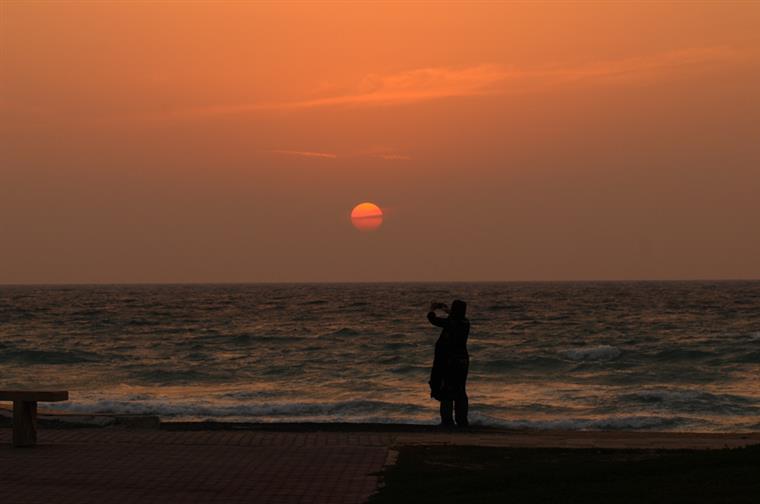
point(345, 464)
point(457, 474)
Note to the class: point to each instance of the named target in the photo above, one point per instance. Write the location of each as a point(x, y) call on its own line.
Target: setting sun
point(366, 216)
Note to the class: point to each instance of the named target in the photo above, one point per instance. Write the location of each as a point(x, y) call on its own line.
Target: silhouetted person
point(448, 378)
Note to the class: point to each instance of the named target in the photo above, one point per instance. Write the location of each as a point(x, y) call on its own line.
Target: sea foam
point(599, 352)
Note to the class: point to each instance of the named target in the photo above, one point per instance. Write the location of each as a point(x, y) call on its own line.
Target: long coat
point(448, 376)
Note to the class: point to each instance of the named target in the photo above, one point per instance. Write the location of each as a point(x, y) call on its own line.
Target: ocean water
point(678, 356)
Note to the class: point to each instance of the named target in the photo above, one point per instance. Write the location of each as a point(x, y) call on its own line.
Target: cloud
point(489, 79)
point(388, 156)
point(306, 154)
point(394, 157)
point(647, 66)
point(411, 87)
point(406, 87)
point(436, 83)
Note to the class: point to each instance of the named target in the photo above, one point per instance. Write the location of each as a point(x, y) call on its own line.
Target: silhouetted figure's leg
point(461, 405)
point(461, 402)
point(447, 410)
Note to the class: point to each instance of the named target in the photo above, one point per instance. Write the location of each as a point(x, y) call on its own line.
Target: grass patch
point(464, 474)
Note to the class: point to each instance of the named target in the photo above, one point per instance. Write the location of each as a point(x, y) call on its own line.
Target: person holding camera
point(448, 377)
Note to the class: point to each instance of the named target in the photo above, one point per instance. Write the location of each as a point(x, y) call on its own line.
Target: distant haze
point(229, 141)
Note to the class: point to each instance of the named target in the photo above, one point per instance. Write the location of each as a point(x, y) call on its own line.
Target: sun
point(366, 216)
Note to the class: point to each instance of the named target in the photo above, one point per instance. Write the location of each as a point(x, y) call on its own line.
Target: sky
point(228, 141)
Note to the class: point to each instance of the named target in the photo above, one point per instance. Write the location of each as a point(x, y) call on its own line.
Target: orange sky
point(229, 141)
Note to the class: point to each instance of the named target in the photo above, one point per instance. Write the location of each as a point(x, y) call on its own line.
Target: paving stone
point(114, 466)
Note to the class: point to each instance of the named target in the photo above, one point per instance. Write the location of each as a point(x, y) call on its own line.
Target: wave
point(247, 395)
point(635, 422)
point(528, 408)
point(409, 369)
point(367, 411)
point(147, 322)
point(343, 331)
point(23, 356)
point(314, 302)
point(593, 353)
point(664, 395)
point(678, 354)
point(400, 345)
point(527, 362)
point(694, 401)
point(173, 377)
point(254, 411)
point(242, 339)
point(503, 307)
point(751, 357)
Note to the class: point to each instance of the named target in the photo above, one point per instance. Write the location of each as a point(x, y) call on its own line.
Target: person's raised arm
point(435, 319)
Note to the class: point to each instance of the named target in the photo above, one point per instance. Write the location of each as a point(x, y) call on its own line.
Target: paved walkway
point(115, 465)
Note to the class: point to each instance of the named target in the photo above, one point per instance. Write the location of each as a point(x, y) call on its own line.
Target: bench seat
point(32, 395)
point(25, 411)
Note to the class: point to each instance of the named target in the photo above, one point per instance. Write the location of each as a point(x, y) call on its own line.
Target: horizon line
point(370, 282)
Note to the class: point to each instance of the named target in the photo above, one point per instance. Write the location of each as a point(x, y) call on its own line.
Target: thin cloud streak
point(330, 155)
point(643, 66)
point(307, 154)
point(411, 87)
point(436, 83)
point(426, 84)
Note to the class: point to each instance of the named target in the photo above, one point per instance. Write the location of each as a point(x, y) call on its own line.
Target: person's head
point(458, 309)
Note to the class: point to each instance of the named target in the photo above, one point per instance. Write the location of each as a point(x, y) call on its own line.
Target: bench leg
point(24, 423)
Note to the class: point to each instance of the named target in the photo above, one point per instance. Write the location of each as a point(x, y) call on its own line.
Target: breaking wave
point(635, 422)
point(593, 353)
point(169, 409)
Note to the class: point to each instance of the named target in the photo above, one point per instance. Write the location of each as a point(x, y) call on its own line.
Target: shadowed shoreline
point(455, 474)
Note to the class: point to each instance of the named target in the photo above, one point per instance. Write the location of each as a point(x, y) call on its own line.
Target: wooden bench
point(25, 411)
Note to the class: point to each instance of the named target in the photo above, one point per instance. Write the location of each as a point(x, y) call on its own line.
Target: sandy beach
point(288, 463)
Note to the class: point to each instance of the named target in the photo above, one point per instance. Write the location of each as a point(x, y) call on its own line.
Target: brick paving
point(280, 467)
point(114, 466)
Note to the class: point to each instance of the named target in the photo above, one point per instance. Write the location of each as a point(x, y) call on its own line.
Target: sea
point(665, 356)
